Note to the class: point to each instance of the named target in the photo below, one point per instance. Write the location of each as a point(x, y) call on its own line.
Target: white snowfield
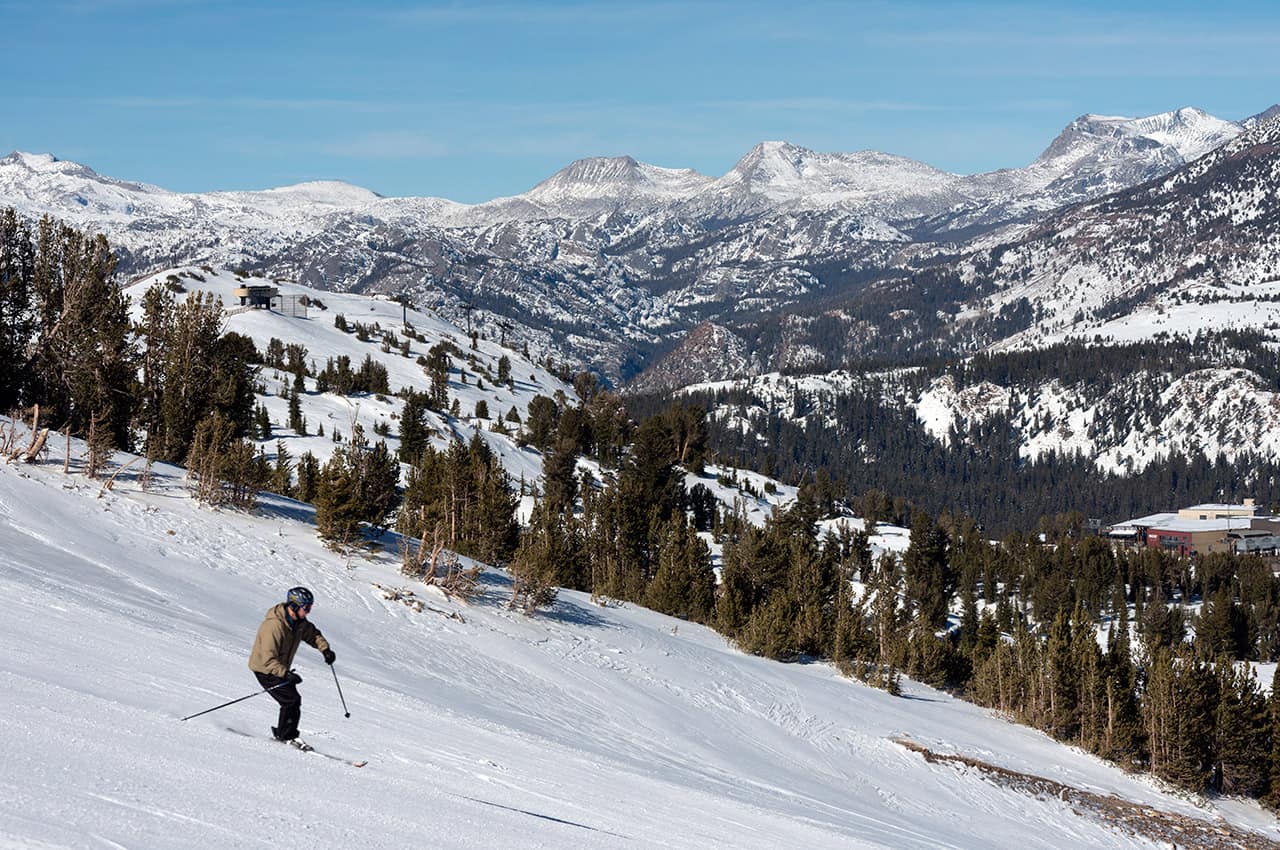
point(121, 612)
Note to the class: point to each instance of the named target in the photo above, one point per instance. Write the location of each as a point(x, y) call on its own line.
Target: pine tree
point(546, 552)
point(541, 421)
point(282, 472)
point(437, 369)
point(262, 422)
point(559, 476)
point(1091, 677)
point(687, 426)
point(1222, 628)
point(377, 476)
point(84, 366)
point(1122, 734)
point(308, 477)
point(337, 500)
point(464, 494)
point(1179, 703)
point(811, 584)
point(1272, 796)
point(610, 428)
point(227, 470)
point(414, 433)
point(1061, 682)
point(968, 621)
point(926, 571)
point(17, 316)
point(684, 584)
point(187, 373)
point(297, 423)
point(1242, 734)
point(739, 593)
point(886, 619)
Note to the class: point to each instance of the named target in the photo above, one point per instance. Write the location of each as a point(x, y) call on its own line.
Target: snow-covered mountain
point(782, 177)
point(646, 252)
point(125, 609)
point(1093, 156)
point(589, 187)
point(1204, 236)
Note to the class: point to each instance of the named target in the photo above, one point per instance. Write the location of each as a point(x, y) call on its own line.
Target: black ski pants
point(290, 705)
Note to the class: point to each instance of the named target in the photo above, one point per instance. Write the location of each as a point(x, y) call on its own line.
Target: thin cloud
point(544, 13)
point(388, 145)
point(253, 103)
point(823, 104)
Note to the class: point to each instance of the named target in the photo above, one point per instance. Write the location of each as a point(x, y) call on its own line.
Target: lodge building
point(1202, 529)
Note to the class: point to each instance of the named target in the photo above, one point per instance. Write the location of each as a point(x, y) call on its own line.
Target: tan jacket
point(276, 643)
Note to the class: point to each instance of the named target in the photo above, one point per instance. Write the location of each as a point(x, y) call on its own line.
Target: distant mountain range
point(610, 261)
point(1194, 249)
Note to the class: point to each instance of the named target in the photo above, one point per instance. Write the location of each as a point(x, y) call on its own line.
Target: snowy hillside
point(317, 333)
point(1195, 249)
point(122, 611)
point(1205, 412)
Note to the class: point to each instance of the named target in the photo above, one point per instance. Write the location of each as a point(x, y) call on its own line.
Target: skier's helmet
point(298, 597)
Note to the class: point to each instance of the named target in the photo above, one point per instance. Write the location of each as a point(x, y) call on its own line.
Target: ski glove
point(293, 678)
point(328, 656)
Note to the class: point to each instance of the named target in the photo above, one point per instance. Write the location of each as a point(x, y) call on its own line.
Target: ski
point(299, 744)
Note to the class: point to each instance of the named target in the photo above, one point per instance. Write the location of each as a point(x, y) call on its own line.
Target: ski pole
point(241, 699)
point(345, 713)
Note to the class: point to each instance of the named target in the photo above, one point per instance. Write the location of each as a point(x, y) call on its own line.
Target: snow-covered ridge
point(773, 173)
point(1196, 249)
point(602, 176)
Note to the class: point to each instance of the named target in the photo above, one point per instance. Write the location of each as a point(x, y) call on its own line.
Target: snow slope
point(317, 333)
point(123, 611)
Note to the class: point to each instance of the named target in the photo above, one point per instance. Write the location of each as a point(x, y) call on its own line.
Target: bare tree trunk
point(110, 482)
point(91, 470)
point(37, 445)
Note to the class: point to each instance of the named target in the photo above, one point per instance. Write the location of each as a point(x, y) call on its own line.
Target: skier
point(285, 626)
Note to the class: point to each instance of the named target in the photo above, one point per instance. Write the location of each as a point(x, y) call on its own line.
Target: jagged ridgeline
point(1009, 438)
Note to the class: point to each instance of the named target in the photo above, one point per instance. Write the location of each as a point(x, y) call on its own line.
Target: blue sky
point(474, 100)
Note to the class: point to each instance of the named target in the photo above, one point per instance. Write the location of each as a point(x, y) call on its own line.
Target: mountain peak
point(1262, 117)
point(28, 159)
point(45, 162)
point(771, 159)
point(708, 352)
point(596, 170)
point(1188, 131)
point(616, 177)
